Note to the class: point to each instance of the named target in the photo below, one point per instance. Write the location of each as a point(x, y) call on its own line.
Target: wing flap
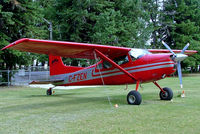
point(188, 52)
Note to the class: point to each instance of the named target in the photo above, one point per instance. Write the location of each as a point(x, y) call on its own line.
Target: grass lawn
point(88, 111)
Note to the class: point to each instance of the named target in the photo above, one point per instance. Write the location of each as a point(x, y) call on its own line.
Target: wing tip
point(15, 43)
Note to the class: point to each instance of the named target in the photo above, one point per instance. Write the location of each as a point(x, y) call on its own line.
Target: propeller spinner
point(178, 57)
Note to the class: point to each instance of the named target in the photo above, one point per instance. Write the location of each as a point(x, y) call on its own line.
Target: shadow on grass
point(76, 99)
point(69, 101)
point(45, 96)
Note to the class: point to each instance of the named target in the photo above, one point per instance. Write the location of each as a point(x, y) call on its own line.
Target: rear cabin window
point(121, 60)
point(106, 64)
point(99, 66)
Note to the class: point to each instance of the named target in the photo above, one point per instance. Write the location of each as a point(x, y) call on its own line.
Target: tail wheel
point(49, 92)
point(134, 98)
point(168, 95)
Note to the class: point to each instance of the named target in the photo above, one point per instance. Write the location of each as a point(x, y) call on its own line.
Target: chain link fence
point(23, 76)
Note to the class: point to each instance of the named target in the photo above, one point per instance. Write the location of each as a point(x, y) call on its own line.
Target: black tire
point(49, 92)
point(134, 98)
point(168, 95)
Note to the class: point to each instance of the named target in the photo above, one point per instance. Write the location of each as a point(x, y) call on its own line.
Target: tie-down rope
point(96, 59)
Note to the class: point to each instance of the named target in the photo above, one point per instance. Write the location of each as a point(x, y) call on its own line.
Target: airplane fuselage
point(150, 67)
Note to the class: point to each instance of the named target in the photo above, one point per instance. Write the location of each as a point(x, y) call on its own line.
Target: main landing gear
point(134, 97)
point(49, 91)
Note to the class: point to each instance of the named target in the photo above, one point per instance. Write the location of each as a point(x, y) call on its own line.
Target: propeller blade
point(179, 73)
point(168, 47)
point(185, 48)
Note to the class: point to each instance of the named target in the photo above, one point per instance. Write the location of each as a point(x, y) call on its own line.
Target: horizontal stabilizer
point(47, 82)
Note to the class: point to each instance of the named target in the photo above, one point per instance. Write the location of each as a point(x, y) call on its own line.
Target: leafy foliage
point(18, 19)
point(183, 27)
point(126, 23)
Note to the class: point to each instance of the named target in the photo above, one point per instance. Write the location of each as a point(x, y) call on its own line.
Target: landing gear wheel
point(168, 95)
point(49, 92)
point(134, 98)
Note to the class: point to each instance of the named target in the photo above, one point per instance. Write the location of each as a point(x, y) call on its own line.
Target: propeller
point(178, 58)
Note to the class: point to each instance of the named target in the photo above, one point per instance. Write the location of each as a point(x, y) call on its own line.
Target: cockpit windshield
point(138, 53)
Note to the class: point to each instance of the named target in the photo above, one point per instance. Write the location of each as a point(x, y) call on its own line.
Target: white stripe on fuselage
point(130, 68)
point(136, 70)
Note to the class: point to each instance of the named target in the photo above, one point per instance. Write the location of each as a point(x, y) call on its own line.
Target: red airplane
point(118, 65)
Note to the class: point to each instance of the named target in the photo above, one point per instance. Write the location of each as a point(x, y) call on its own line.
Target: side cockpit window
point(133, 58)
point(121, 60)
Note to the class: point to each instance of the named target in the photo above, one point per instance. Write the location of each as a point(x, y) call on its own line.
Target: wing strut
point(115, 65)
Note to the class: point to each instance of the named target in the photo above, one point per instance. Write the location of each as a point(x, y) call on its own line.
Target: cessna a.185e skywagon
point(118, 65)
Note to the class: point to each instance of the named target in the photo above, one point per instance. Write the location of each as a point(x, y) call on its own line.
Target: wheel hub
point(131, 98)
point(165, 95)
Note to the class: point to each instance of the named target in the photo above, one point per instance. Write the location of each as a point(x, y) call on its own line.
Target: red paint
point(158, 86)
point(115, 65)
point(188, 52)
point(57, 67)
point(149, 68)
point(142, 76)
point(137, 85)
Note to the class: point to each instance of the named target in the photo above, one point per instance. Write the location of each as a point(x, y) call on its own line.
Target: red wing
point(188, 52)
point(65, 49)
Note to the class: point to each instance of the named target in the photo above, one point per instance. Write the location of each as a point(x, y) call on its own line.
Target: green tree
point(154, 10)
point(182, 19)
point(121, 23)
point(124, 23)
point(18, 19)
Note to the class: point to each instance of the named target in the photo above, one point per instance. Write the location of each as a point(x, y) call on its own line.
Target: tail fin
point(57, 66)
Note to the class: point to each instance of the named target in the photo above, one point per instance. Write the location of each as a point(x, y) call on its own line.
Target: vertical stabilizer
point(57, 67)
